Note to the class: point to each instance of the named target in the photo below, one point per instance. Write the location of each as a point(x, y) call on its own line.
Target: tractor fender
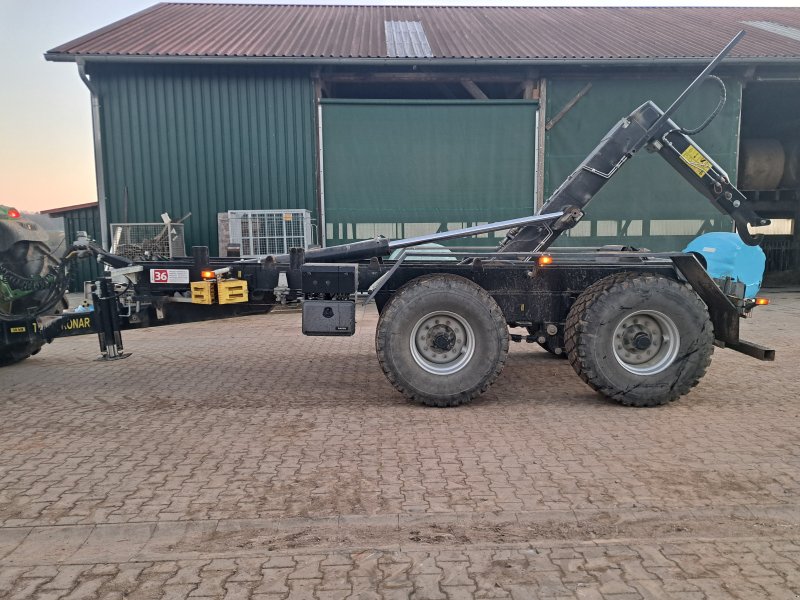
point(15, 231)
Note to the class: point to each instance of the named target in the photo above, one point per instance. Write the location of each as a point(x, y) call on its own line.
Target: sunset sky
point(46, 155)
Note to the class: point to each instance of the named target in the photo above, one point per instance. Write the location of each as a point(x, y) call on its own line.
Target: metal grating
point(143, 241)
point(406, 39)
point(263, 232)
point(783, 254)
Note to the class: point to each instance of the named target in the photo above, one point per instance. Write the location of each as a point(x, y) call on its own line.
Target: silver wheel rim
point(442, 343)
point(646, 342)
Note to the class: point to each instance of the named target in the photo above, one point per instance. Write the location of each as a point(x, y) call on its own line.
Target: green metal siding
point(403, 168)
point(205, 139)
point(87, 269)
point(647, 195)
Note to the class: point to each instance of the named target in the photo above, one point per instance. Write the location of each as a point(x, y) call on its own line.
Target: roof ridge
point(465, 6)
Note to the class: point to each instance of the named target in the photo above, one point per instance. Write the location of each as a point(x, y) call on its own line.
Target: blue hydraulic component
point(727, 256)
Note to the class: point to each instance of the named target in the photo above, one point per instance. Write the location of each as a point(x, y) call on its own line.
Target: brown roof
point(539, 34)
point(56, 212)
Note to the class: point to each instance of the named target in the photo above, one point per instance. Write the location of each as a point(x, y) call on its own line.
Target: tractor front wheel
point(18, 352)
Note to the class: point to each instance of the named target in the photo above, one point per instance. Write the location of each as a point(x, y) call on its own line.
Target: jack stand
point(107, 313)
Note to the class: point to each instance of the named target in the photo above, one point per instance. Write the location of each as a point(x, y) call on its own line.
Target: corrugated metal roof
point(358, 32)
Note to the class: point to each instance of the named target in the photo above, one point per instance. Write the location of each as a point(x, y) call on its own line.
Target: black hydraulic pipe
point(84, 247)
point(355, 251)
point(626, 137)
point(699, 79)
point(548, 218)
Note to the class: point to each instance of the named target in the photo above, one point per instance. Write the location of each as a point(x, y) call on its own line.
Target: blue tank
point(726, 255)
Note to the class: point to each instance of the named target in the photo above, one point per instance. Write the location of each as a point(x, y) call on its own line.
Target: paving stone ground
point(238, 459)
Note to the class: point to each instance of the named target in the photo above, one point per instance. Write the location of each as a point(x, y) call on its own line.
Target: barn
point(403, 120)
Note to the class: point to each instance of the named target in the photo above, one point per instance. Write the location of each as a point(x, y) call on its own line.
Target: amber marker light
point(545, 260)
point(762, 301)
point(13, 213)
point(208, 275)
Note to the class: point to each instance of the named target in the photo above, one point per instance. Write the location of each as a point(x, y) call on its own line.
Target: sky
point(46, 153)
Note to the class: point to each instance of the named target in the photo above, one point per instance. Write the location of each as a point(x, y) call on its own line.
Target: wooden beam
point(473, 89)
point(541, 121)
point(323, 90)
point(428, 77)
point(530, 90)
point(568, 106)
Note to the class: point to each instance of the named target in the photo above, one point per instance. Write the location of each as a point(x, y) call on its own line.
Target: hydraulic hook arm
point(646, 127)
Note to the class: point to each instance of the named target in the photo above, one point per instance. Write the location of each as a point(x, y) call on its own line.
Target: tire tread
point(400, 300)
point(578, 327)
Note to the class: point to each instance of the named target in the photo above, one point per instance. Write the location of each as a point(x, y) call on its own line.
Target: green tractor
point(32, 283)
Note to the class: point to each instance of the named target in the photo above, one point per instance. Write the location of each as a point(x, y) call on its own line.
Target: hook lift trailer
point(637, 326)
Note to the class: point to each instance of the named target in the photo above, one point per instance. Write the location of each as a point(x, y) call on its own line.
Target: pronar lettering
point(78, 323)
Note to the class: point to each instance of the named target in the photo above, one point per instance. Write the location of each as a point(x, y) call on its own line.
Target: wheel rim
point(442, 343)
point(646, 342)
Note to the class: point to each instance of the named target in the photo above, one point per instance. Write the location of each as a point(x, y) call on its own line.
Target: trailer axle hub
point(442, 343)
point(642, 341)
point(646, 342)
point(444, 340)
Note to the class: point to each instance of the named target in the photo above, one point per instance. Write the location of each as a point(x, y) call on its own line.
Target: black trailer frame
point(451, 311)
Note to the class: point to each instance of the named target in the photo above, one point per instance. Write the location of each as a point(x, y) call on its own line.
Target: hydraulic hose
point(723, 97)
point(26, 284)
point(55, 282)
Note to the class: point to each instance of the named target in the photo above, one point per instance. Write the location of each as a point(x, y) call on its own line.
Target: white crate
point(263, 232)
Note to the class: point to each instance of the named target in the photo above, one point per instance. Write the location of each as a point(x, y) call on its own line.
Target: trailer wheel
point(640, 339)
point(441, 340)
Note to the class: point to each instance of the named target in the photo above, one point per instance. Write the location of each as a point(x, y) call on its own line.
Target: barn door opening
point(402, 168)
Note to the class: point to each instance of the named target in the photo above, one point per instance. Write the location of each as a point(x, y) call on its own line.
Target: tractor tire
point(640, 339)
point(441, 340)
point(18, 352)
point(29, 259)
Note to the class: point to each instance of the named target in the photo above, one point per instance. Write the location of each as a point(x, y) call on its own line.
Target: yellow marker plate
point(696, 161)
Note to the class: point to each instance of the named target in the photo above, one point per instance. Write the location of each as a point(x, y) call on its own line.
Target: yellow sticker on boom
point(696, 161)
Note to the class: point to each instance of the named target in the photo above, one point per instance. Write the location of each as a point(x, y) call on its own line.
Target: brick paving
point(238, 459)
